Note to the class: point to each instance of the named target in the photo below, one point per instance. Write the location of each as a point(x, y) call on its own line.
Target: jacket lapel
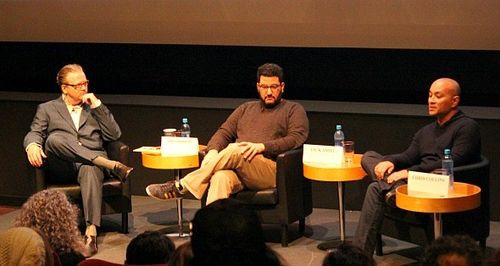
point(64, 113)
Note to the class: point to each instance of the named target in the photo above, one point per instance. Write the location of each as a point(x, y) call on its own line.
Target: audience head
point(25, 246)
point(50, 213)
point(348, 255)
point(457, 250)
point(182, 256)
point(270, 85)
point(226, 232)
point(150, 247)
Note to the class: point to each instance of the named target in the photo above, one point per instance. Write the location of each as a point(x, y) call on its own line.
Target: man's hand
point(250, 149)
point(382, 168)
point(209, 156)
point(35, 155)
point(402, 174)
point(90, 99)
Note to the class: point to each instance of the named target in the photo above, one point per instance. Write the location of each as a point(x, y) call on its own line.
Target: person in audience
point(348, 255)
point(50, 213)
point(452, 129)
point(26, 246)
point(182, 256)
point(456, 250)
point(241, 154)
point(149, 247)
point(66, 138)
point(226, 232)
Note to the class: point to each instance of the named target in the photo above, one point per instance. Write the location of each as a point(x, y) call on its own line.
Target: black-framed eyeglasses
point(79, 86)
point(273, 87)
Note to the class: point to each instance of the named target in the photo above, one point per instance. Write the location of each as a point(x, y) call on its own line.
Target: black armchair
point(418, 227)
point(116, 195)
point(289, 202)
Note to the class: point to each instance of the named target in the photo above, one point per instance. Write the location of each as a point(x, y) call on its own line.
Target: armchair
point(418, 227)
point(289, 202)
point(116, 195)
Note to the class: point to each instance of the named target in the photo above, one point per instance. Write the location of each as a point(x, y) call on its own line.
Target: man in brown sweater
point(241, 154)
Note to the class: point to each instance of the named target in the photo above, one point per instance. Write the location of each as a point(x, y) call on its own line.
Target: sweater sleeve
point(297, 133)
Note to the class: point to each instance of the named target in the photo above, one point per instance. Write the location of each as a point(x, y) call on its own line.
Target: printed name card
point(428, 185)
point(177, 146)
point(323, 154)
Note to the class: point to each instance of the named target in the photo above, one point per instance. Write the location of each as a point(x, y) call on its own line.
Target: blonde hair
point(71, 68)
point(50, 213)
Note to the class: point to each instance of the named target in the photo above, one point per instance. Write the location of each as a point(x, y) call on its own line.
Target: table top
point(335, 173)
point(463, 197)
point(155, 160)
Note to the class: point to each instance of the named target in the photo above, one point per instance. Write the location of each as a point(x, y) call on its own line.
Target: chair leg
point(302, 225)
point(125, 222)
point(284, 235)
point(378, 246)
point(482, 243)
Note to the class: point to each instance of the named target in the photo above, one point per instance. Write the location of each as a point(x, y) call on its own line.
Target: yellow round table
point(463, 197)
point(154, 160)
point(339, 174)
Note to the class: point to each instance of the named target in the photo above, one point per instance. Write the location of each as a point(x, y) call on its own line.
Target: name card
point(428, 185)
point(178, 146)
point(323, 154)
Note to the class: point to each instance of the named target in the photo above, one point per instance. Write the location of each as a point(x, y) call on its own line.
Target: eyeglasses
point(79, 86)
point(273, 87)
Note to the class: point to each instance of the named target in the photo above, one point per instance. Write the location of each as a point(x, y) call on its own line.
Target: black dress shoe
point(122, 171)
point(390, 198)
point(90, 246)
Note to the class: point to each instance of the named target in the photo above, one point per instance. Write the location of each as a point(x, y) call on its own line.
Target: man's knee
point(54, 141)
point(227, 179)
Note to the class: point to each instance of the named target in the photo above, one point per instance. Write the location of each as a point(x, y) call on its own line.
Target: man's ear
point(456, 101)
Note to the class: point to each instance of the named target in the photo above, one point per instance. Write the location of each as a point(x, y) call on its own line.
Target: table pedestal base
point(333, 244)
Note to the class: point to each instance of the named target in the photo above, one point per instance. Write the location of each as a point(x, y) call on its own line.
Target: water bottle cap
point(338, 127)
point(447, 151)
point(184, 120)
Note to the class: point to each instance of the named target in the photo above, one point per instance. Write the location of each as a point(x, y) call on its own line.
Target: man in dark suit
point(66, 138)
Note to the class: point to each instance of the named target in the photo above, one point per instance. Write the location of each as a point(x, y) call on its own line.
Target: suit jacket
point(96, 125)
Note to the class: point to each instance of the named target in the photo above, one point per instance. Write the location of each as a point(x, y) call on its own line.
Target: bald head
point(444, 97)
point(449, 85)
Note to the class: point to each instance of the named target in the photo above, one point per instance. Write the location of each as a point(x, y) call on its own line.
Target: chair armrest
point(292, 187)
point(118, 151)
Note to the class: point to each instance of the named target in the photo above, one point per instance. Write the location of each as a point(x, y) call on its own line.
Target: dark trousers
point(68, 161)
point(372, 211)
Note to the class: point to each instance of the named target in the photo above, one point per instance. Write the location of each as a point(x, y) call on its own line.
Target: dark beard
point(271, 105)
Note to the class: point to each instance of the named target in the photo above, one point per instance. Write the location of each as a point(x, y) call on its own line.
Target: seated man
point(66, 138)
point(260, 129)
point(452, 130)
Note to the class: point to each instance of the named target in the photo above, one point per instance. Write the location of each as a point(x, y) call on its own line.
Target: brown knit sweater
point(281, 128)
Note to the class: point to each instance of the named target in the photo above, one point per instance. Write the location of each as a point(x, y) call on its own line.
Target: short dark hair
point(228, 232)
point(150, 247)
point(462, 245)
point(270, 70)
point(347, 254)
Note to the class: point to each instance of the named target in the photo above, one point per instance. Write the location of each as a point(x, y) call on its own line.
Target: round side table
point(155, 160)
point(463, 197)
point(339, 174)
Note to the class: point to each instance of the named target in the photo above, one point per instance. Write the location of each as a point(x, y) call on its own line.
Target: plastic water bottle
point(185, 129)
point(338, 137)
point(447, 163)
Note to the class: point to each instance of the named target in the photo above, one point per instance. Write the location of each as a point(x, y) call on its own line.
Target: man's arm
point(298, 131)
point(110, 130)
point(35, 138)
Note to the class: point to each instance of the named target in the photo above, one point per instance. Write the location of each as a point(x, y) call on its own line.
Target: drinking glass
point(348, 152)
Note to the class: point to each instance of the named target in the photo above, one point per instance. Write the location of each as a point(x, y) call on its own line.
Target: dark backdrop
point(330, 74)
